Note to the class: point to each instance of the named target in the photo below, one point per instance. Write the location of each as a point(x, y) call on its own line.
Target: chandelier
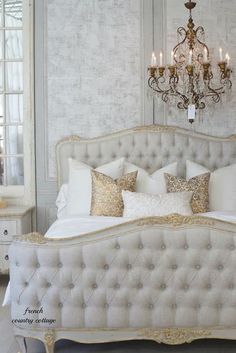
point(188, 82)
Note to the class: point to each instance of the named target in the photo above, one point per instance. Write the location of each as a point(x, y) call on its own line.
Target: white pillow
point(61, 201)
point(151, 184)
point(222, 185)
point(80, 188)
point(146, 205)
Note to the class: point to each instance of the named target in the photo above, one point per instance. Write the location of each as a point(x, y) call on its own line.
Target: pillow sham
point(107, 193)
point(146, 205)
point(80, 184)
point(222, 186)
point(154, 183)
point(61, 201)
point(199, 185)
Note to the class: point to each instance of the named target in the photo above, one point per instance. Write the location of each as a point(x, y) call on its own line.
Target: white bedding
point(75, 226)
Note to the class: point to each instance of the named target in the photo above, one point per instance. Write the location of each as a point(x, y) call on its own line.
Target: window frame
point(26, 193)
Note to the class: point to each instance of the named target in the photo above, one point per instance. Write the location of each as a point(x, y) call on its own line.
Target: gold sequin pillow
point(107, 193)
point(199, 185)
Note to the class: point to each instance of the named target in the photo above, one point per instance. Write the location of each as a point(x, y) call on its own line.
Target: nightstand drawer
point(7, 230)
point(4, 259)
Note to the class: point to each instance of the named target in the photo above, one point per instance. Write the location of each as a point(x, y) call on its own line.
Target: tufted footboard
point(169, 279)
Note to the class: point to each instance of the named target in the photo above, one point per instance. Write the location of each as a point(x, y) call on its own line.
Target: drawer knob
point(5, 232)
point(6, 257)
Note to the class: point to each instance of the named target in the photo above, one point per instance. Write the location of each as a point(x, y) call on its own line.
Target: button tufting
point(186, 246)
point(174, 306)
point(163, 247)
point(140, 246)
point(48, 284)
point(219, 306)
point(129, 305)
point(38, 304)
point(82, 265)
point(198, 267)
point(163, 286)
point(37, 265)
point(71, 286)
point(150, 306)
point(60, 305)
point(106, 267)
point(17, 264)
point(151, 267)
point(26, 284)
point(209, 246)
point(220, 267)
point(106, 305)
point(186, 287)
point(140, 286)
point(232, 247)
point(117, 286)
point(174, 267)
point(129, 266)
point(231, 286)
point(117, 246)
point(208, 286)
point(94, 286)
point(83, 305)
point(59, 265)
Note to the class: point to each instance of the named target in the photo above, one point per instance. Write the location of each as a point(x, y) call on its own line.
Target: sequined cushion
point(107, 193)
point(199, 185)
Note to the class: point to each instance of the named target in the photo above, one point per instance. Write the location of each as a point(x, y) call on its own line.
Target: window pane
point(1, 109)
point(13, 13)
point(1, 77)
point(0, 12)
point(1, 39)
point(14, 76)
point(1, 139)
point(14, 139)
point(14, 171)
point(13, 44)
point(1, 171)
point(14, 108)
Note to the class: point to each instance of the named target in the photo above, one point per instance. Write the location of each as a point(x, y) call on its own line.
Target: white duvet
point(75, 226)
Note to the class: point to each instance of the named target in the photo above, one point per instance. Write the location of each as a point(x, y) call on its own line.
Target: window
point(11, 93)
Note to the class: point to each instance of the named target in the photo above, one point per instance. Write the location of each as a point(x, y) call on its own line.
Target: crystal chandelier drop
point(188, 82)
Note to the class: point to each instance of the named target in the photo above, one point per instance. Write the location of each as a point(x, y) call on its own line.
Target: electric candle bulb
point(190, 57)
point(172, 58)
point(227, 58)
point(161, 59)
point(205, 59)
point(153, 60)
point(221, 56)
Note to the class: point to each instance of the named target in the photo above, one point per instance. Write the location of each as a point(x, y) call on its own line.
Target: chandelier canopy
point(188, 82)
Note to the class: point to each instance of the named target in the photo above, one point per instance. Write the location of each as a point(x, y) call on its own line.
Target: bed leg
point(22, 343)
point(49, 341)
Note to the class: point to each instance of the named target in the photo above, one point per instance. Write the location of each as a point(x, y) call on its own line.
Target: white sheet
point(75, 226)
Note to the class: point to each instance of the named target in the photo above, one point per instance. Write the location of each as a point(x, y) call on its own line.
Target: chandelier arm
point(215, 95)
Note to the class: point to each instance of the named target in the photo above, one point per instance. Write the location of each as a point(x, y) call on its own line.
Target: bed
point(170, 279)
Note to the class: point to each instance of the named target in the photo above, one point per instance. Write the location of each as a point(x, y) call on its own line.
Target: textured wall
point(93, 55)
point(219, 20)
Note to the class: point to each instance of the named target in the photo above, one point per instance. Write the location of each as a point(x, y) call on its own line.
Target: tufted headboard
point(150, 147)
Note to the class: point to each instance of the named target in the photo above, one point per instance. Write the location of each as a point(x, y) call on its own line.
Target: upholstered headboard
point(150, 147)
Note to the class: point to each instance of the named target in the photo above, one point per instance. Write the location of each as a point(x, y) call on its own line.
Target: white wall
point(91, 59)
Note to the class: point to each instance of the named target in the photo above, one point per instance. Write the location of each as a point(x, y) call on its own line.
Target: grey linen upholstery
point(142, 278)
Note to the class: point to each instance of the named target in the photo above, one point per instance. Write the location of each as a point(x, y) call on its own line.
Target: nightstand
point(14, 221)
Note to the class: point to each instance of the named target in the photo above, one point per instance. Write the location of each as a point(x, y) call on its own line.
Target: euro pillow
point(107, 193)
point(80, 184)
point(199, 185)
point(145, 205)
point(222, 186)
point(154, 183)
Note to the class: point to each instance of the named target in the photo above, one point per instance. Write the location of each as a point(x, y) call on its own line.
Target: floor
point(9, 345)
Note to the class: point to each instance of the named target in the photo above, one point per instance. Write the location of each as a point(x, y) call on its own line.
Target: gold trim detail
point(173, 336)
point(177, 220)
point(34, 237)
point(49, 338)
